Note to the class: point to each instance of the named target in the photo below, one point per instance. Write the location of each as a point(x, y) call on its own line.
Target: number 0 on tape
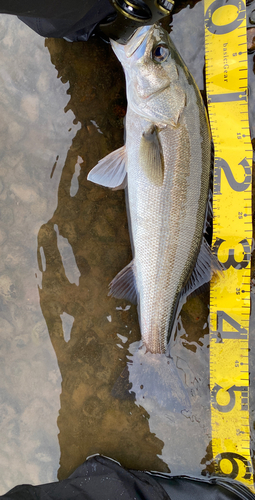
point(226, 85)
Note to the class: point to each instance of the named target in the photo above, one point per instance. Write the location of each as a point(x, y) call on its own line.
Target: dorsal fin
point(207, 264)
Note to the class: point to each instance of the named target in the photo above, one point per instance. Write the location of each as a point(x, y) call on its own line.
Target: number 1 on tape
point(226, 84)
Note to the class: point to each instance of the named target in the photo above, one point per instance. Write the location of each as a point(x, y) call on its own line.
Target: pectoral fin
point(151, 156)
point(110, 171)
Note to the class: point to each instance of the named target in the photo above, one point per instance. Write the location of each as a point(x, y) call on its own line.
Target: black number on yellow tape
point(225, 28)
point(233, 458)
point(232, 399)
point(239, 333)
point(221, 164)
point(231, 259)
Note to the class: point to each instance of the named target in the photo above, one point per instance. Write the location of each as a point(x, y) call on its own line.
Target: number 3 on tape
point(226, 84)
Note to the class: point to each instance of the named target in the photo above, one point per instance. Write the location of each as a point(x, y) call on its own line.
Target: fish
point(165, 169)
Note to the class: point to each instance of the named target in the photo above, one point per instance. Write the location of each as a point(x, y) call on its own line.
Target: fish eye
point(160, 53)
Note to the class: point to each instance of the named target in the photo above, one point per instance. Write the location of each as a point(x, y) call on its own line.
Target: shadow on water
point(79, 251)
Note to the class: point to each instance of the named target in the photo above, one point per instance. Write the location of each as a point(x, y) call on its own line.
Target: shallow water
point(73, 381)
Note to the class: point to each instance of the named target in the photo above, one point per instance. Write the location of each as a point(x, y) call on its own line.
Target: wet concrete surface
point(73, 379)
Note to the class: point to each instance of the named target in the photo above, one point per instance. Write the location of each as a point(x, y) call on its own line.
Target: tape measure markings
point(226, 82)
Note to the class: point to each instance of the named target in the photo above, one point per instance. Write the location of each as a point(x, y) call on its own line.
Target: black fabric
point(68, 10)
point(100, 478)
point(180, 488)
point(78, 25)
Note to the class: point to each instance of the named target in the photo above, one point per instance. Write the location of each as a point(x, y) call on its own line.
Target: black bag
point(101, 478)
point(71, 19)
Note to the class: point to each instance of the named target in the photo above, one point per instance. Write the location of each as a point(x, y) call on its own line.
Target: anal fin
point(123, 286)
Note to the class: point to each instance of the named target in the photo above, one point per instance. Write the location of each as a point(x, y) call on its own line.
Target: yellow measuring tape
point(226, 86)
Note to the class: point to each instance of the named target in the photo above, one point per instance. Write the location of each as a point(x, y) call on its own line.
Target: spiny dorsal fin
point(208, 213)
point(151, 156)
point(110, 171)
point(123, 286)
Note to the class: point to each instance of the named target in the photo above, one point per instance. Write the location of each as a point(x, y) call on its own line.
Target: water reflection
point(34, 131)
point(175, 393)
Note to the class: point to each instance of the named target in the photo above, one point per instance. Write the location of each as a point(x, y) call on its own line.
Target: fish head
point(150, 62)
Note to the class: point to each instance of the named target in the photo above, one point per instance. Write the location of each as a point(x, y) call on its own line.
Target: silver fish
point(165, 165)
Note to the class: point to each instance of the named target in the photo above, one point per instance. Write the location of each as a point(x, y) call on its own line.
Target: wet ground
point(73, 381)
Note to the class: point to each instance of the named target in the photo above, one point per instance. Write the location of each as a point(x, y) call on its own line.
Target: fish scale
point(165, 164)
point(160, 218)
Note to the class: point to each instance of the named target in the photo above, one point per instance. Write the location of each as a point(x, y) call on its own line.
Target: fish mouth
point(134, 43)
point(137, 39)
